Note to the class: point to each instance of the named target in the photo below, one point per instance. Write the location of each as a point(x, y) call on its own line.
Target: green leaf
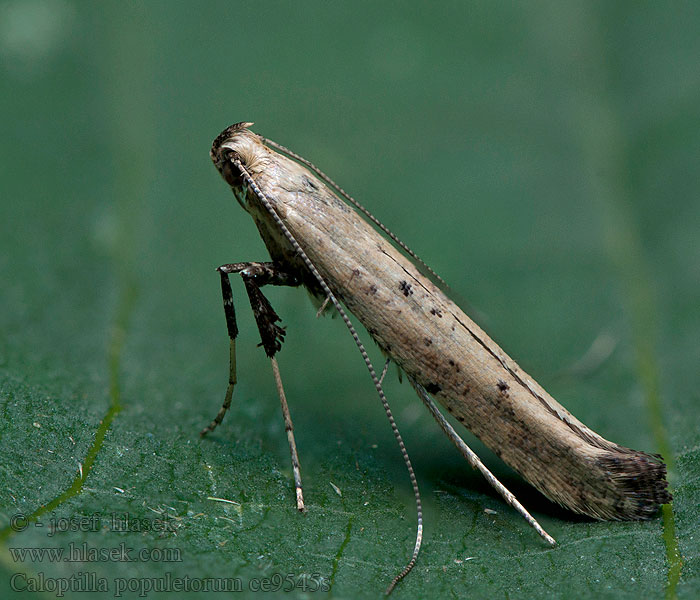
point(542, 158)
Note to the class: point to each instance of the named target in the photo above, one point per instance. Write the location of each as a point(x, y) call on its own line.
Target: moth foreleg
point(256, 275)
point(232, 327)
point(289, 428)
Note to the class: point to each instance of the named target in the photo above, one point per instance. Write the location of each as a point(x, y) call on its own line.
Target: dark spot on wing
point(502, 386)
point(433, 388)
point(373, 289)
point(309, 183)
point(436, 312)
point(405, 287)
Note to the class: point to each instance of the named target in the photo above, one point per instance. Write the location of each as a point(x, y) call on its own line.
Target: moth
point(327, 245)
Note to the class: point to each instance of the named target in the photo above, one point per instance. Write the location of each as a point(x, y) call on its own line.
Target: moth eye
point(226, 164)
point(230, 156)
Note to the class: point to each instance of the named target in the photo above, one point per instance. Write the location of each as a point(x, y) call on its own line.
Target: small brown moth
point(318, 241)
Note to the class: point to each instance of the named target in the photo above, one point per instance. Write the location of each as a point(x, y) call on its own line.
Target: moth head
point(238, 144)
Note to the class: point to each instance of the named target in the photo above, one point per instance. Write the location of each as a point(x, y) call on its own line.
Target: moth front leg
point(255, 275)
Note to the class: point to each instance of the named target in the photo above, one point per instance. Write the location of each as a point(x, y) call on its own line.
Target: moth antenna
point(356, 204)
point(368, 363)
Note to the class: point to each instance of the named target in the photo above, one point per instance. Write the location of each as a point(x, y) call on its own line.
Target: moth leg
point(255, 275)
point(289, 428)
point(232, 327)
point(272, 335)
point(476, 463)
point(384, 370)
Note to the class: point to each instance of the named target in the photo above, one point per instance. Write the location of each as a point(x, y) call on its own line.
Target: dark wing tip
point(641, 478)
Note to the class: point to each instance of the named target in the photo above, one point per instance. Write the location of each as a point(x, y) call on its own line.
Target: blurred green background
point(542, 157)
